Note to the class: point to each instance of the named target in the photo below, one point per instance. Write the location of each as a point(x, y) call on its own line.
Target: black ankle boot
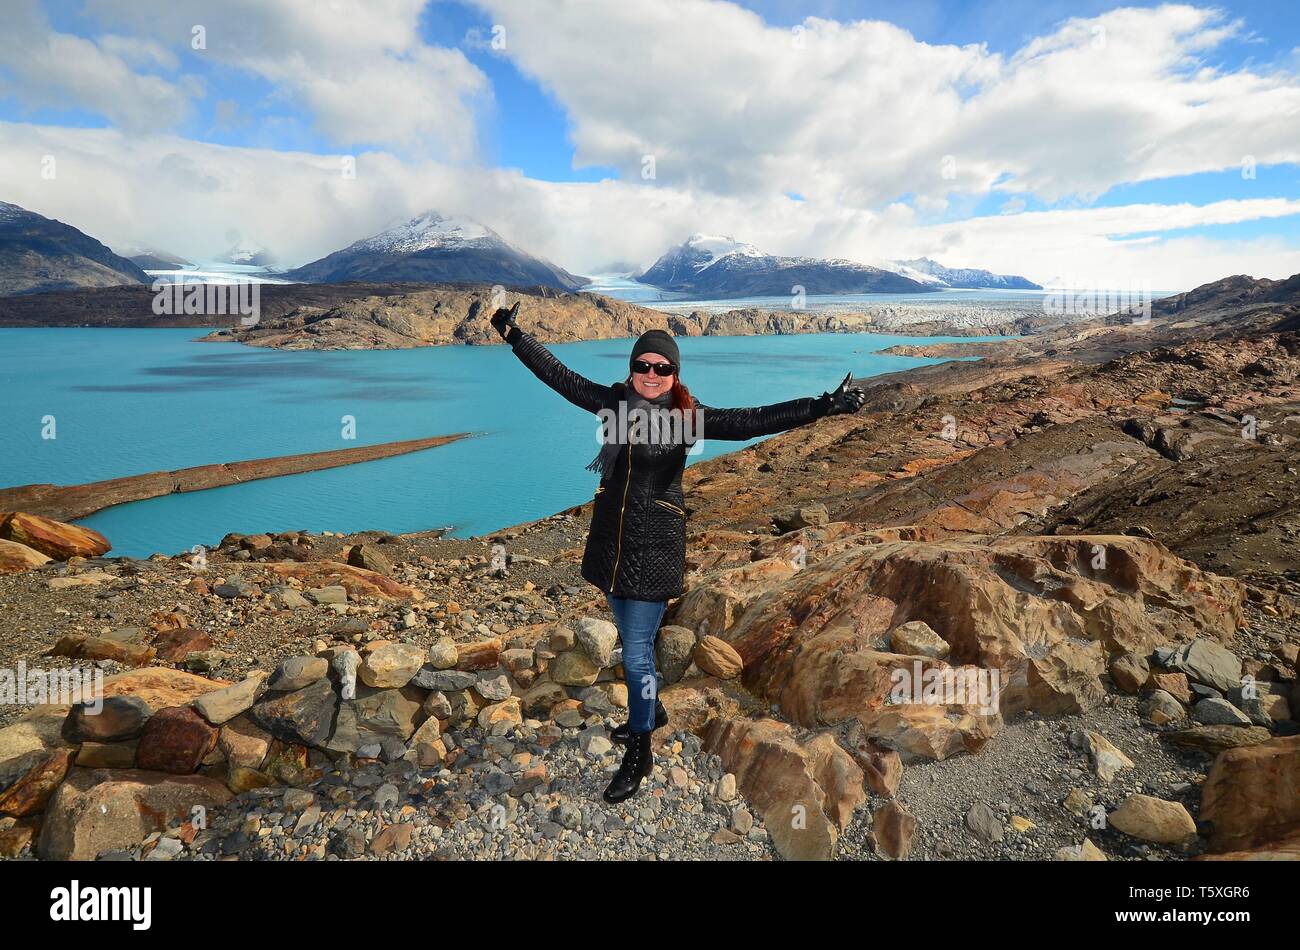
point(638, 763)
point(620, 733)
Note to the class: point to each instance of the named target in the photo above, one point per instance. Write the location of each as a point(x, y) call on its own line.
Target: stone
point(1217, 739)
point(99, 648)
point(107, 755)
point(297, 672)
point(393, 838)
point(1129, 672)
point(392, 665)
point(493, 688)
point(54, 539)
point(1175, 684)
point(16, 558)
point(222, 705)
point(483, 655)
point(717, 657)
point(1084, 851)
point(920, 731)
point(305, 715)
point(1107, 761)
point(31, 793)
point(507, 711)
point(1153, 819)
point(892, 830)
point(97, 810)
point(1252, 796)
point(120, 717)
point(426, 745)
point(345, 664)
point(806, 793)
point(573, 668)
point(539, 699)
point(597, 638)
point(1205, 661)
point(1219, 712)
point(1162, 709)
point(175, 740)
point(916, 638)
point(244, 743)
point(370, 557)
point(443, 681)
point(330, 594)
point(674, 648)
point(173, 646)
point(443, 655)
point(983, 824)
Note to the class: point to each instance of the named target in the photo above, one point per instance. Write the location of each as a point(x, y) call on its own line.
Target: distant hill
point(967, 278)
point(433, 248)
point(151, 258)
point(249, 253)
point(717, 267)
point(39, 254)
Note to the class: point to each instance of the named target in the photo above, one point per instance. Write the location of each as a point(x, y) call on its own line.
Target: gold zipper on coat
point(670, 506)
point(613, 579)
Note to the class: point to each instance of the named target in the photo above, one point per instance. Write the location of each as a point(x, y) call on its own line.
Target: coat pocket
point(670, 506)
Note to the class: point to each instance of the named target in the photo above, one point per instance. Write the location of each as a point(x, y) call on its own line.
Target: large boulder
point(357, 581)
point(16, 558)
point(1252, 795)
point(1044, 610)
point(805, 792)
point(55, 539)
point(98, 810)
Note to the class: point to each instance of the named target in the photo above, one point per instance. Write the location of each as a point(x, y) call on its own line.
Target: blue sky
point(580, 93)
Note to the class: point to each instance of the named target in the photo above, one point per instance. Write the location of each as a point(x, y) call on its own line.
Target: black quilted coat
point(636, 546)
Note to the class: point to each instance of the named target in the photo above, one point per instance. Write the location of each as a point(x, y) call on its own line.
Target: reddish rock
point(16, 558)
point(30, 794)
point(78, 647)
point(483, 655)
point(892, 828)
point(55, 539)
point(175, 740)
point(1252, 795)
point(173, 646)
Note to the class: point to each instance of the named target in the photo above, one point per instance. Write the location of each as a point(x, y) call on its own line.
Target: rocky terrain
point(1043, 605)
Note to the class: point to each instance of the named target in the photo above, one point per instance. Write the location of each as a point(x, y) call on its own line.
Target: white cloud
point(58, 70)
point(358, 68)
point(861, 113)
point(186, 197)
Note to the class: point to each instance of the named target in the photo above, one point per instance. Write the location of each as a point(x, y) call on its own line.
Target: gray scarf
point(604, 460)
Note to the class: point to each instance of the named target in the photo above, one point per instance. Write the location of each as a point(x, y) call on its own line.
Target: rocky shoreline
point(1110, 539)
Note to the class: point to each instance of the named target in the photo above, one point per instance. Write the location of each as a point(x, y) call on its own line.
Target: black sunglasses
point(659, 369)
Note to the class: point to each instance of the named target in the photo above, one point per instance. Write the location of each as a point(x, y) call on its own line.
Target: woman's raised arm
point(741, 424)
point(574, 387)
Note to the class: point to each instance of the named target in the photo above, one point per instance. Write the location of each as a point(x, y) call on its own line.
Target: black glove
point(844, 399)
point(504, 323)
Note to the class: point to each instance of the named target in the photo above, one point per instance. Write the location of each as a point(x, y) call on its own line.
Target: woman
point(636, 545)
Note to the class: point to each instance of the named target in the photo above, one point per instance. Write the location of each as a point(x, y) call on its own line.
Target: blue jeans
point(638, 625)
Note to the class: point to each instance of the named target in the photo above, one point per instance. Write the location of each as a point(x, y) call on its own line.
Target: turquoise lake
point(130, 401)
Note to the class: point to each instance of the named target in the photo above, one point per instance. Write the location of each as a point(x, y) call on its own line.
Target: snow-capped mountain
point(248, 253)
point(720, 266)
point(436, 248)
point(39, 254)
point(966, 278)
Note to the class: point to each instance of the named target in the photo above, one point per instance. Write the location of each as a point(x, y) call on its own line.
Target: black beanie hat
point(656, 341)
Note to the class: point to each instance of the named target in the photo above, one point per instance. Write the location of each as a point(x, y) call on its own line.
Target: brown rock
point(98, 810)
point(780, 778)
point(892, 828)
point(175, 740)
point(357, 581)
point(1175, 684)
point(484, 655)
point(31, 793)
point(1217, 738)
point(1129, 672)
point(16, 558)
point(717, 657)
point(78, 647)
point(173, 646)
point(244, 744)
point(1153, 819)
point(160, 687)
point(1252, 795)
point(395, 837)
point(54, 539)
point(107, 755)
point(14, 838)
